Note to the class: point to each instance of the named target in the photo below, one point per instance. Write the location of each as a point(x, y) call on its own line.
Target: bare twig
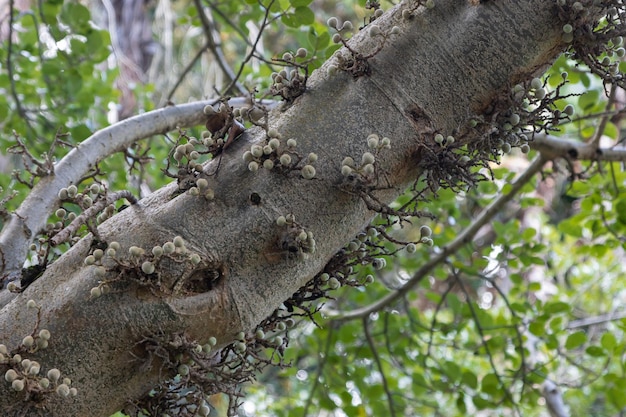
point(12, 78)
point(463, 238)
point(230, 23)
point(483, 339)
point(379, 365)
point(186, 71)
point(595, 140)
point(250, 55)
point(218, 54)
point(323, 356)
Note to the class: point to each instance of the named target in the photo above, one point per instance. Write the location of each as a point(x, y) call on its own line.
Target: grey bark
point(443, 67)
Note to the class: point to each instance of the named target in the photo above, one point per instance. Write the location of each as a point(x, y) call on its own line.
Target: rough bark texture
point(444, 66)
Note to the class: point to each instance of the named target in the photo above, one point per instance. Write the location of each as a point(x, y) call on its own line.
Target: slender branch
point(320, 367)
point(593, 321)
point(432, 329)
point(379, 365)
point(230, 23)
point(186, 71)
point(595, 140)
point(483, 339)
point(18, 104)
point(463, 238)
point(552, 147)
point(118, 51)
point(266, 18)
point(218, 54)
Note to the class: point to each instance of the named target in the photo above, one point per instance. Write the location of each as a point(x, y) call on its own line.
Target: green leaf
point(556, 307)
point(76, 16)
point(588, 100)
point(571, 227)
point(80, 132)
point(617, 397)
point(469, 378)
point(4, 108)
point(300, 3)
point(608, 341)
point(529, 234)
point(620, 208)
point(556, 323)
point(460, 403)
point(452, 371)
point(490, 384)
point(301, 16)
point(595, 351)
point(480, 402)
point(537, 328)
point(575, 340)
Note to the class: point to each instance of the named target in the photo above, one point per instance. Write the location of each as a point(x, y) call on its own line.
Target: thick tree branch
point(33, 213)
point(413, 90)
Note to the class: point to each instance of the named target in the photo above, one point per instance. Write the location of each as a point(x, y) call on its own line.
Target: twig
point(433, 322)
point(218, 54)
point(379, 365)
point(320, 367)
point(12, 78)
point(188, 68)
point(594, 321)
point(254, 46)
point(65, 234)
point(595, 140)
point(483, 339)
point(230, 23)
point(463, 238)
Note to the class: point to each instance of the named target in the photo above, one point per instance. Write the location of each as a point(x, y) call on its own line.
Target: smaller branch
point(432, 329)
point(595, 141)
point(596, 320)
point(186, 71)
point(552, 147)
point(65, 234)
point(266, 19)
point(379, 365)
point(320, 367)
point(463, 238)
point(483, 339)
point(12, 78)
point(218, 54)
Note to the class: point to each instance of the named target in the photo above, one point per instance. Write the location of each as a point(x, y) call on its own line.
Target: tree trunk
point(445, 66)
